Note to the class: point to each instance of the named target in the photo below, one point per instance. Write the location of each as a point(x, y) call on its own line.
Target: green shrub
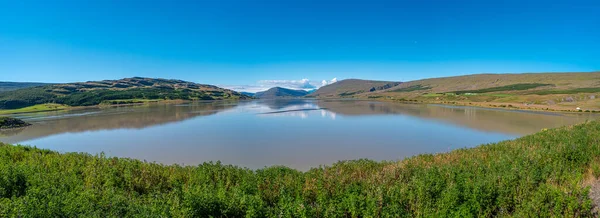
point(533, 176)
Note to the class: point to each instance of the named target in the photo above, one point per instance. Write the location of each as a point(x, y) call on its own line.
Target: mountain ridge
point(279, 92)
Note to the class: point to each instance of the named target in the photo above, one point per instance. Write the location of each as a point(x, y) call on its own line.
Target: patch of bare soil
point(595, 196)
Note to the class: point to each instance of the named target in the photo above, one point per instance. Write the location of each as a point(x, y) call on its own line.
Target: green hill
point(543, 91)
point(555, 81)
point(129, 90)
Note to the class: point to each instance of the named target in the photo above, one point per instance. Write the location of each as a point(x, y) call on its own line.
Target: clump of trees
point(9, 123)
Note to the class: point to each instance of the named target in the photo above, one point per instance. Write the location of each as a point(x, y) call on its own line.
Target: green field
point(35, 108)
point(540, 175)
point(513, 87)
point(411, 89)
point(567, 91)
point(128, 101)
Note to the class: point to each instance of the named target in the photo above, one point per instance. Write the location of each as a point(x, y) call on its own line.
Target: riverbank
point(112, 103)
point(497, 105)
point(544, 174)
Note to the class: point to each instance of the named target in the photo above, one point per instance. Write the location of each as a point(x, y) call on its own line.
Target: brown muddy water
point(296, 133)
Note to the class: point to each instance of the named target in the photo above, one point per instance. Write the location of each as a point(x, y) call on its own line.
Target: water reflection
point(299, 133)
point(134, 117)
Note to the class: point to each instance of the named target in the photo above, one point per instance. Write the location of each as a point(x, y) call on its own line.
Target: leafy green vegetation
point(411, 88)
point(34, 96)
point(513, 87)
point(35, 108)
point(9, 123)
point(567, 91)
point(129, 101)
point(540, 175)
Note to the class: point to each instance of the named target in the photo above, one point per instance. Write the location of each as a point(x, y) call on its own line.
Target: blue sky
point(263, 43)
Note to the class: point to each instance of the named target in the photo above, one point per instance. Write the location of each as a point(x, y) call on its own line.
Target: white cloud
point(290, 84)
point(332, 81)
point(262, 85)
point(245, 88)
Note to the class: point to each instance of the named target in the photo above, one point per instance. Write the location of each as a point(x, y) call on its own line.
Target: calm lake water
point(296, 133)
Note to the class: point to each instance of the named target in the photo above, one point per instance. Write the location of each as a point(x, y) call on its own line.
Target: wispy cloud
point(262, 85)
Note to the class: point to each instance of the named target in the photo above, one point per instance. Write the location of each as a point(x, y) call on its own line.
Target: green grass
point(411, 88)
point(433, 95)
point(501, 95)
point(540, 175)
point(513, 87)
point(567, 91)
point(128, 101)
point(35, 108)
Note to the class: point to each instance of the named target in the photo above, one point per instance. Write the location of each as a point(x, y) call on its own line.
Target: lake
point(296, 133)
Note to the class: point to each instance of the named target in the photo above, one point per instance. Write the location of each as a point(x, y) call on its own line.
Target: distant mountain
point(350, 87)
point(9, 86)
point(114, 91)
point(248, 94)
point(278, 92)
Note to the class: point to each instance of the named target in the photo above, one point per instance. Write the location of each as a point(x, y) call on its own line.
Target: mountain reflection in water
point(299, 133)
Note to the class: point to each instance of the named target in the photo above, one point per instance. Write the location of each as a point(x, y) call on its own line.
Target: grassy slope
point(98, 92)
point(351, 87)
point(543, 91)
point(35, 108)
point(545, 174)
point(482, 81)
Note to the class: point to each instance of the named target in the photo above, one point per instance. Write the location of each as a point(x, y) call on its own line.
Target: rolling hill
point(541, 91)
point(9, 86)
point(278, 92)
point(351, 87)
point(128, 90)
point(482, 81)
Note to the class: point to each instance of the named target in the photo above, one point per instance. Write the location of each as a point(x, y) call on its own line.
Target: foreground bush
point(538, 175)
